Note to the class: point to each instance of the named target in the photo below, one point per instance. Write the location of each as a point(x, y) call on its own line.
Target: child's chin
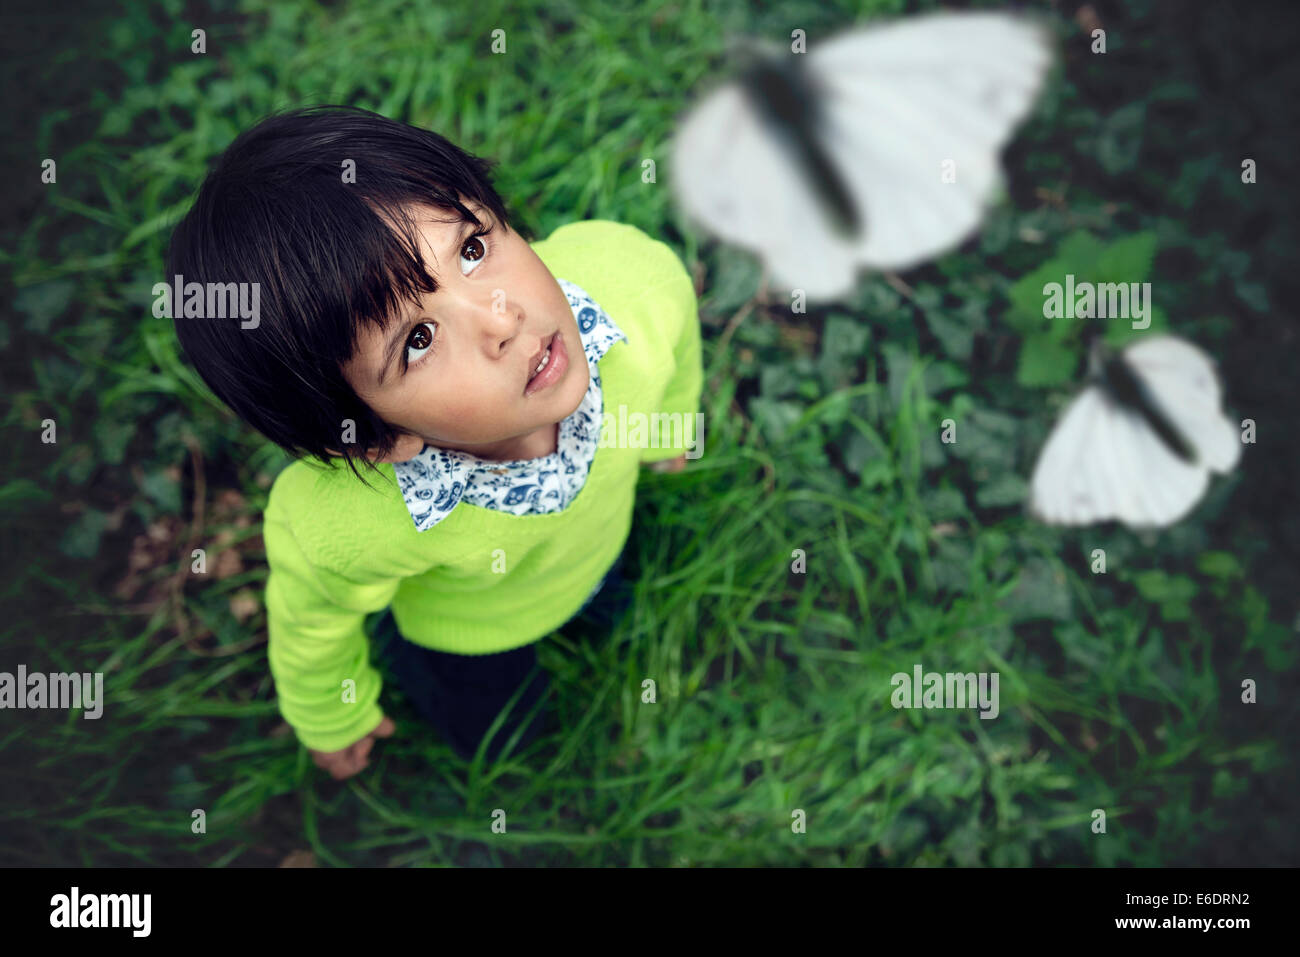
point(569, 405)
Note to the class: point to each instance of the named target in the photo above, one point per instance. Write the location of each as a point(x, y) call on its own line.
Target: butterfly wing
point(1147, 485)
point(1058, 492)
point(899, 100)
point(1181, 379)
point(904, 98)
point(1102, 462)
point(732, 177)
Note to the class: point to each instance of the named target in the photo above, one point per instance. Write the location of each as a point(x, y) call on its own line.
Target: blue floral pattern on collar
point(437, 480)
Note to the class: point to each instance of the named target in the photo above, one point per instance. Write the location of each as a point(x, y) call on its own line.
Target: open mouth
point(543, 359)
point(550, 367)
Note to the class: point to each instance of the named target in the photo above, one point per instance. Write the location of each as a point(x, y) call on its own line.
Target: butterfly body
point(789, 101)
point(1126, 389)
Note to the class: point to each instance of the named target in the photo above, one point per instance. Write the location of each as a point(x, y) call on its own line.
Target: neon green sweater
point(481, 581)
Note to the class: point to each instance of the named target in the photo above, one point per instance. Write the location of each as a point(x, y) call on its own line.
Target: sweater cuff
point(368, 718)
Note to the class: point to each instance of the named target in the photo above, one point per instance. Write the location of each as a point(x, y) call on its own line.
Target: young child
point(404, 326)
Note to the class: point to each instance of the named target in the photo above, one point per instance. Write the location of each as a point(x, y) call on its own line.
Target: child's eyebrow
point(402, 328)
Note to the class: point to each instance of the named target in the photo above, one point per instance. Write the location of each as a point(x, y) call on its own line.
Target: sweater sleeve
point(682, 395)
point(319, 656)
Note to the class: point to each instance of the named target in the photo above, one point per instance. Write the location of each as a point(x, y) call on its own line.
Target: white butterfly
point(838, 158)
point(1140, 444)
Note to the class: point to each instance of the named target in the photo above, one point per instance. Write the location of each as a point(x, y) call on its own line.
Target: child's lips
point(555, 368)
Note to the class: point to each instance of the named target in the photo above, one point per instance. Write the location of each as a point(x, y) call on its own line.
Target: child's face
point(469, 348)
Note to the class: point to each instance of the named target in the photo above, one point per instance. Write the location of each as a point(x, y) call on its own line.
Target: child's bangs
point(396, 262)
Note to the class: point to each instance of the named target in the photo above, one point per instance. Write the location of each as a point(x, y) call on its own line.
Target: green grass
point(1118, 692)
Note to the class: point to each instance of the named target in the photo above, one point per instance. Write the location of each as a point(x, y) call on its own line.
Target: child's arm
point(319, 656)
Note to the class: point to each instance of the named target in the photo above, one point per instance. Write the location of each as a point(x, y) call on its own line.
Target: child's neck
point(535, 445)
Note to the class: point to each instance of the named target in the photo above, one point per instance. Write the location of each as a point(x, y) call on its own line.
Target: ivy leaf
point(774, 417)
point(1045, 362)
point(987, 438)
point(844, 341)
point(1038, 593)
point(1173, 593)
point(859, 451)
point(112, 437)
point(162, 489)
point(1219, 564)
point(81, 538)
point(1128, 259)
point(44, 302)
point(1121, 138)
point(957, 336)
point(1078, 255)
point(898, 363)
point(736, 280)
point(776, 381)
point(1120, 332)
point(1253, 294)
point(1027, 298)
point(1006, 489)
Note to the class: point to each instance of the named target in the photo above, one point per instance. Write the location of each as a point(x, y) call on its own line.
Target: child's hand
point(669, 465)
point(348, 761)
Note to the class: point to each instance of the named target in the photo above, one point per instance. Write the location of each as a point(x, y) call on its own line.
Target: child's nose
point(501, 321)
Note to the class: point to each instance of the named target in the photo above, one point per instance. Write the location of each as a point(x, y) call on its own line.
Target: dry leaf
point(299, 859)
point(244, 605)
point(228, 563)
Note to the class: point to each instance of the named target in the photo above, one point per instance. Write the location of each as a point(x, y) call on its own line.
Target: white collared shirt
point(438, 479)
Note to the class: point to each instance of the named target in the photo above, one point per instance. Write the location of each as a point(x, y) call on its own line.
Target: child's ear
point(408, 447)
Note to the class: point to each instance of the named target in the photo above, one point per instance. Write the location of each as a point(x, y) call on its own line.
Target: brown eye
point(473, 251)
point(421, 339)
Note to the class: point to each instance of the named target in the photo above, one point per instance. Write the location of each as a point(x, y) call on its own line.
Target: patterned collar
point(438, 479)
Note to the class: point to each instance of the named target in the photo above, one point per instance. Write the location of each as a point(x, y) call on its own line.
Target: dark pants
point(461, 695)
